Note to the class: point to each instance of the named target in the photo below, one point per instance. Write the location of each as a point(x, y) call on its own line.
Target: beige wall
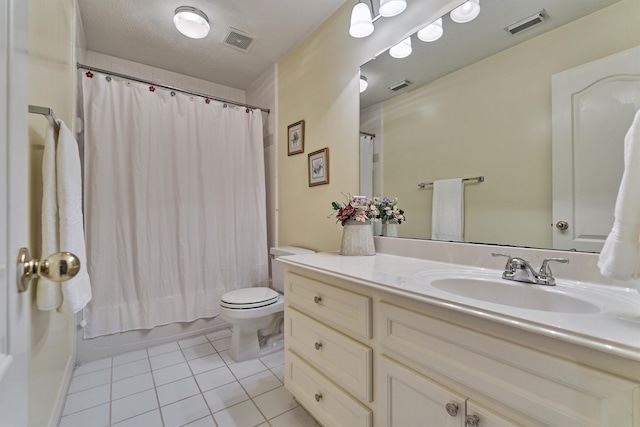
point(493, 118)
point(51, 66)
point(318, 83)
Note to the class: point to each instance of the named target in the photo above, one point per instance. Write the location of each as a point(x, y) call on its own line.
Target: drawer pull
point(318, 397)
point(472, 421)
point(317, 299)
point(452, 409)
point(318, 345)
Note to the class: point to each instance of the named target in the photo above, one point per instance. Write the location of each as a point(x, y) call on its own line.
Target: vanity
point(428, 333)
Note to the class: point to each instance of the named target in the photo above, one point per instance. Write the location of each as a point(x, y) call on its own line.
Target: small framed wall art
point(295, 139)
point(319, 167)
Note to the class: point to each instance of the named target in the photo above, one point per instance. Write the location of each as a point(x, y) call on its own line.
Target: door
point(14, 306)
point(414, 400)
point(593, 107)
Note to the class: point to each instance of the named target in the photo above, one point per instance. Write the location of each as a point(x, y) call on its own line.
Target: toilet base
point(245, 343)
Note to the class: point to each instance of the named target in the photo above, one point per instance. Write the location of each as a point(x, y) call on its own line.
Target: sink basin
point(509, 293)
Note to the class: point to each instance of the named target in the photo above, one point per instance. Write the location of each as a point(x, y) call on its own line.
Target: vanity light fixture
point(362, 18)
point(363, 84)
point(402, 49)
point(466, 12)
point(389, 8)
point(431, 32)
point(191, 22)
point(361, 21)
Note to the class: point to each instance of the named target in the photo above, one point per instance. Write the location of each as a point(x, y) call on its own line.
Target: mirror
point(479, 103)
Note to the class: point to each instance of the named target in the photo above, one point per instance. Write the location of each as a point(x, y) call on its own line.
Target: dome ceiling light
point(191, 22)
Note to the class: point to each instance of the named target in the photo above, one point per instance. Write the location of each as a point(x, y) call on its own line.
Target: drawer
point(327, 402)
point(334, 306)
point(342, 359)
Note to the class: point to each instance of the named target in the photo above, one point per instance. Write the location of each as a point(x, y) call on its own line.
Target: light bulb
point(361, 24)
point(363, 84)
point(402, 49)
point(431, 32)
point(191, 22)
point(389, 8)
point(466, 12)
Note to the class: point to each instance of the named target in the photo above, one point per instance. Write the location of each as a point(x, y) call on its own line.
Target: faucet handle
point(508, 266)
point(545, 270)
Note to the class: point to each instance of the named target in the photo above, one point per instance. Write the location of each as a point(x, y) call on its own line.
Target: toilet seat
point(249, 298)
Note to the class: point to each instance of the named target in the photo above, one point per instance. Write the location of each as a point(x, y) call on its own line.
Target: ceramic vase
point(390, 228)
point(357, 239)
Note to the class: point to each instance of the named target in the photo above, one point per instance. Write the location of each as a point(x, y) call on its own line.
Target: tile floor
point(192, 383)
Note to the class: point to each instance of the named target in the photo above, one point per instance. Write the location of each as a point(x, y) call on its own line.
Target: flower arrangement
point(389, 211)
point(357, 208)
point(360, 208)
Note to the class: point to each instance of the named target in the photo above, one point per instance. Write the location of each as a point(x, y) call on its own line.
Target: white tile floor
point(192, 383)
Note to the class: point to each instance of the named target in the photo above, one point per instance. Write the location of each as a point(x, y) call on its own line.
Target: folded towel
point(62, 221)
point(447, 222)
point(48, 294)
point(620, 256)
point(76, 293)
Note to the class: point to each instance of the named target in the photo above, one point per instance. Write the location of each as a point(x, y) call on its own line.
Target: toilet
point(257, 314)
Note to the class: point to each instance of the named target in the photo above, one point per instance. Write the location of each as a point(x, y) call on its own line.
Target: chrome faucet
point(520, 270)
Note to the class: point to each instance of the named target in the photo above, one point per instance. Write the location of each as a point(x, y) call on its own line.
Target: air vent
point(528, 22)
point(238, 40)
point(399, 85)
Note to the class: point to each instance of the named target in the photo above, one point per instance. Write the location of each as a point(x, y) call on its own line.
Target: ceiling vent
point(399, 85)
point(238, 40)
point(528, 22)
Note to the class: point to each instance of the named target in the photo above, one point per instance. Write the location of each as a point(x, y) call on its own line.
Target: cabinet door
point(414, 400)
point(480, 416)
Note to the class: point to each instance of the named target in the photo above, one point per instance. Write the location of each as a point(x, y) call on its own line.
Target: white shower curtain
point(174, 204)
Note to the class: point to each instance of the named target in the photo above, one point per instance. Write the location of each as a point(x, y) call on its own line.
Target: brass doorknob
point(58, 267)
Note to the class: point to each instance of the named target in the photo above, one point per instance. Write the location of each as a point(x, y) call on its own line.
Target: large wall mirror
point(480, 101)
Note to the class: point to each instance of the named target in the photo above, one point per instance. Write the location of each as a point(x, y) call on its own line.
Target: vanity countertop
point(615, 329)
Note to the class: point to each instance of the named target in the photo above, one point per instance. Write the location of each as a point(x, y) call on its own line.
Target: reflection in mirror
point(479, 103)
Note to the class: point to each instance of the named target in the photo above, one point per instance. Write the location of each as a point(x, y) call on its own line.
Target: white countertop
point(615, 329)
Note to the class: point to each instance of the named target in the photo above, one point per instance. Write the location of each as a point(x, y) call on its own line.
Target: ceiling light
point(431, 32)
point(363, 84)
point(402, 49)
point(466, 12)
point(389, 8)
point(191, 22)
point(361, 23)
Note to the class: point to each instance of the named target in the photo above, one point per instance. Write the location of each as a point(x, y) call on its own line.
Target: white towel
point(48, 294)
point(64, 226)
point(76, 293)
point(620, 256)
point(447, 214)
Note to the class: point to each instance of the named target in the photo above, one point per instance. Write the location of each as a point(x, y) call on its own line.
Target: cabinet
point(328, 358)
point(358, 355)
point(413, 399)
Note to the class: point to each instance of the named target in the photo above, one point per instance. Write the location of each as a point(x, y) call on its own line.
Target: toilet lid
point(249, 298)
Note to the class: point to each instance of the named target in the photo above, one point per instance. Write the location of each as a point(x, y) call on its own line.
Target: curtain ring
point(173, 93)
point(224, 105)
point(108, 78)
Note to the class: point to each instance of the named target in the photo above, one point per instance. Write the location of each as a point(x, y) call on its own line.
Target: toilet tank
point(277, 269)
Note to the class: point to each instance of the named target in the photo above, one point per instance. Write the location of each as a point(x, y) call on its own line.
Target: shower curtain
point(174, 204)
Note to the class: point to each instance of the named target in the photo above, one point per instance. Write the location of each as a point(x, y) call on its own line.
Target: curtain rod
point(188, 92)
point(475, 178)
point(47, 112)
point(372, 135)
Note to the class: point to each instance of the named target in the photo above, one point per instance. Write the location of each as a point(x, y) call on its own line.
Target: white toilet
point(257, 313)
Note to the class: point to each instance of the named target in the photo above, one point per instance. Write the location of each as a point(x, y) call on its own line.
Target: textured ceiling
point(143, 31)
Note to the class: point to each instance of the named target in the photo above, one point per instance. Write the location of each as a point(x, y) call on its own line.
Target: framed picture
point(296, 138)
point(319, 167)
